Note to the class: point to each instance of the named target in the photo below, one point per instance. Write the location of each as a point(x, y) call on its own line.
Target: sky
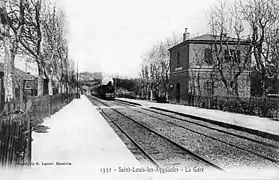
point(110, 36)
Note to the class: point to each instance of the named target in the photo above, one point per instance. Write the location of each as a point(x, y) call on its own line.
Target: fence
point(18, 120)
point(263, 107)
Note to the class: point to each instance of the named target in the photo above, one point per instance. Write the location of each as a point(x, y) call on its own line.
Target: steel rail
point(239, 136)
point(169, 140)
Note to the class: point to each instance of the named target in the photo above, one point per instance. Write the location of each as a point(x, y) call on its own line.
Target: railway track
point(270, 152)
point(160, 150)
point(198, 124)
point(138, 150)
point(185, 119)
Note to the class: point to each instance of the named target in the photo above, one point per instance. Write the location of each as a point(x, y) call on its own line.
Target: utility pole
point(115, 86)
point(77, 82)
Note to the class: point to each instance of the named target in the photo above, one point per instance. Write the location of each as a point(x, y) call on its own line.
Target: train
point(106, 92)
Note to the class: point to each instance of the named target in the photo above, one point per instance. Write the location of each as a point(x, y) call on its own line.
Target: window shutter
point(208, 56)
point(238, 55)
point(227, 56)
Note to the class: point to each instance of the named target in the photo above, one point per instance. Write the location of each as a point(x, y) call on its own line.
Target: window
point(208, 56)
point(207, 86)
point(178, 58)
point(235, 55)
point(232, 55)
point(238, 55)
point(227, 55)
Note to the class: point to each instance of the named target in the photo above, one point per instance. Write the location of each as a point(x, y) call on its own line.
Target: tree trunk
point(67, 88)
point(40, 83)
point(199, 84)
point(40, 86)
point(64, 88)
point(167, 96)
point(231, 92)
point(22, 84)
point(264, 93)
point(60, 88)
point(50, 90)
point(236, 89)
point(8, 70)
point(13, 70)
point(151, 94)
point(8, 80)
point(146, 92)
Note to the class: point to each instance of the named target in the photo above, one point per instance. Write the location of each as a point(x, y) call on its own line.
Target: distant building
point(191, 69)
point(30, 83)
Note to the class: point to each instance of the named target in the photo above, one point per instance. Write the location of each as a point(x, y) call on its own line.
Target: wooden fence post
point(29, 140)
point(21, 93)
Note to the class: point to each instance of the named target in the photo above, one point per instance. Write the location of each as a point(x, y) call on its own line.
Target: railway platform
point(257, 125)
point(77, 144)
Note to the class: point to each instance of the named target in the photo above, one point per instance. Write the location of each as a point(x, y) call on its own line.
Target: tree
point(262, 16)
point(50, 28)
point(230, 52)
point(33, 37)
point(156, 68)
point(195, 75)
point(72, 75)
point(5, 37)
point(144, 74)
point(55, 46)
point(37, 29)
point(44, 39)
point(12, 21)
point(63, 56)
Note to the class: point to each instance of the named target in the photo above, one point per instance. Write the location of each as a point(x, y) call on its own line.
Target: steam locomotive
point(104, 91)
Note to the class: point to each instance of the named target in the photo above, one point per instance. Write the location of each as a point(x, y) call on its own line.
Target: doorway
point(177, 93)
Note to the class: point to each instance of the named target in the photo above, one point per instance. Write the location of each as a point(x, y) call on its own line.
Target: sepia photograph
point(139, 89)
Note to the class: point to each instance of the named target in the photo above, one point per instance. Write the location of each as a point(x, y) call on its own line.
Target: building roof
point(203, 37)
point(209, 39)
point(19, 73)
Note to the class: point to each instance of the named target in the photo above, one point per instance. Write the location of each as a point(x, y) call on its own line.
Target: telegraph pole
point(77, 82)
point(115, 86)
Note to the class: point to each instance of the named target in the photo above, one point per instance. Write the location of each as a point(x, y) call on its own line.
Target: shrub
point(265, 107)
point(161, 99)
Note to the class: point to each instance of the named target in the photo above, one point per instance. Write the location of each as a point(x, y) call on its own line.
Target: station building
point(192, 71)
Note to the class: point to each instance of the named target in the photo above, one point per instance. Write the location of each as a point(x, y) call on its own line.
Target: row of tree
point(35, 29)
point(156, 68)
point(245, 33)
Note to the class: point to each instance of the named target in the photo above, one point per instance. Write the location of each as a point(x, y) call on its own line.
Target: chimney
point(186, 35)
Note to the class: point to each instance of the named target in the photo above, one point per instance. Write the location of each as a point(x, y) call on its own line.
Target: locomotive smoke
point(106, 80)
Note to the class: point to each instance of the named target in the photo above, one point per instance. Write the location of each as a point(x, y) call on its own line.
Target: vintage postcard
point(139, 89)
